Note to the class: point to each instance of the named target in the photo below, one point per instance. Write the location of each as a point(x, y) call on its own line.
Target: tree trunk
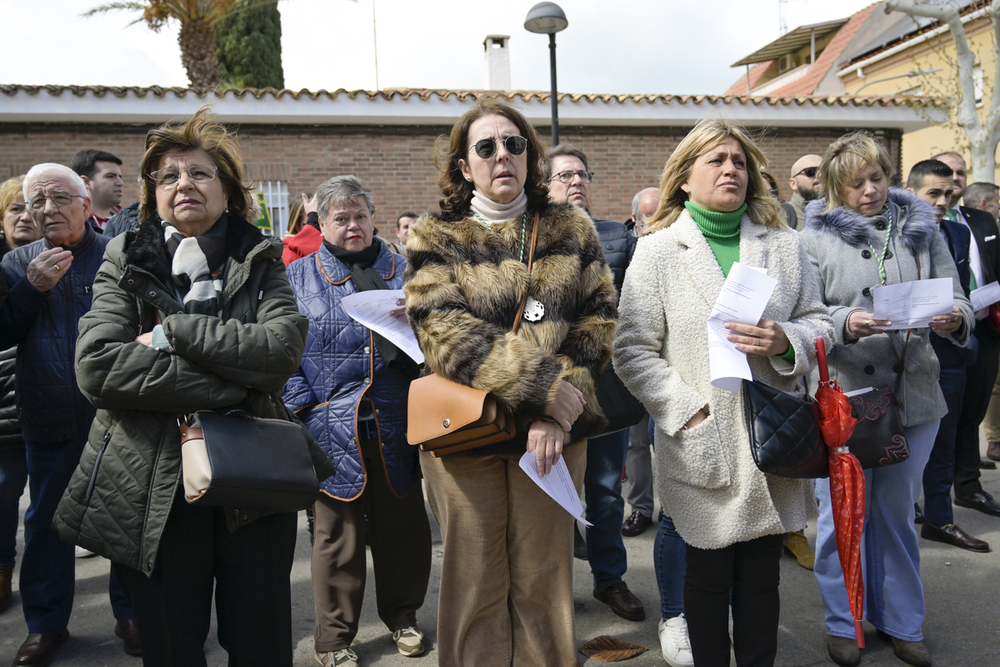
point(197, 42)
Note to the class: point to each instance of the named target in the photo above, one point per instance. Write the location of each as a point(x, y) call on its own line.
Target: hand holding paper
point(743, 298)
point(375, 309)
point(558, 484)
point(913, 304)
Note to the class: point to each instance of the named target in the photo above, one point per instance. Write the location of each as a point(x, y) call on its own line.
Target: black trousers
point(250, 571)
point(748, 573)
point(979, 381)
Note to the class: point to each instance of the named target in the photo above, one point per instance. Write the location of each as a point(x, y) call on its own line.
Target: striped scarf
point(195, 266)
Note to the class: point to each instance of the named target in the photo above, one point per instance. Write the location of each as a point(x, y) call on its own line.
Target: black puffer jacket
point(10, 427)
point(618, 244)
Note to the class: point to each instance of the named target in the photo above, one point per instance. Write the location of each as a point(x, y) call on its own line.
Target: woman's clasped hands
point(546, 438)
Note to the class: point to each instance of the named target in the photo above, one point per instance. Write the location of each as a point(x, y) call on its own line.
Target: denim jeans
point(602, 485)
point(890, 553)
point(13, 477)
point(48, 567)
point(670, 563)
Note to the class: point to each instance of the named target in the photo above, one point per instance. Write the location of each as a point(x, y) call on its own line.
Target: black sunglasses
point(487, 148)
point(810, 172)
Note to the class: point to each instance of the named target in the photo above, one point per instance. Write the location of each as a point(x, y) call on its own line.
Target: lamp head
point(545, 18)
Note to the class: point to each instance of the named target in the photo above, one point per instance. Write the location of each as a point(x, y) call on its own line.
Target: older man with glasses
point(49, 288)
point(804, 183)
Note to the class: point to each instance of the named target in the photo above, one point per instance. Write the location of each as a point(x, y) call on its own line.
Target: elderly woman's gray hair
point(341, 190)
point(71, 179)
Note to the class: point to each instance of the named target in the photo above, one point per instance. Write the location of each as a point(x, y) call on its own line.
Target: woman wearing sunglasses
point(506, 579)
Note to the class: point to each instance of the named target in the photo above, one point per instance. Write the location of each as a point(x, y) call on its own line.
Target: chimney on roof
point(497, 62)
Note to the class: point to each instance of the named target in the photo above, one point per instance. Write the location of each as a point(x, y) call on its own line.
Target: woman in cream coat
point(714, 209)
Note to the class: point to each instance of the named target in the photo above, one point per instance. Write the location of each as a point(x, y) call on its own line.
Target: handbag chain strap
point(531, 260)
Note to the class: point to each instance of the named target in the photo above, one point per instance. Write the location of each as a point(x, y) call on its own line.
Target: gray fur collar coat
point(839, 244)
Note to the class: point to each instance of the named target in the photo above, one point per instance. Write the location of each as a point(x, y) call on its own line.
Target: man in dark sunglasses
point(804, 182)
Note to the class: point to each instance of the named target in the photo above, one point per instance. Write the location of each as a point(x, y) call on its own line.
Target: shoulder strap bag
point(444, 417)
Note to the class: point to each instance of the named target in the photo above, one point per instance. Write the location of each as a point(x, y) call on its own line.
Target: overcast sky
point(629, 46)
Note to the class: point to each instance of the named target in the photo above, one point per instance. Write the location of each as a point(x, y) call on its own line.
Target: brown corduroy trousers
point(507, 577)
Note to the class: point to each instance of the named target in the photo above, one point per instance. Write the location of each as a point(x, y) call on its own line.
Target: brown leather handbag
point(444, 417)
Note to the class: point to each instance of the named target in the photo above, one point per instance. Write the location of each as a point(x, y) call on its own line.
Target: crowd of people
point(114, 321)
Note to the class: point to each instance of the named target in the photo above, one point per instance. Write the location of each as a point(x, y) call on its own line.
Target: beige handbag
point(444, 417)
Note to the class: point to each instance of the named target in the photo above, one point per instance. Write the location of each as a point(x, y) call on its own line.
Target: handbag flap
point(439, 407)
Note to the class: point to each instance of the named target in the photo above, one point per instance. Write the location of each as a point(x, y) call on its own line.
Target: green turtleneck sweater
point(722, 231)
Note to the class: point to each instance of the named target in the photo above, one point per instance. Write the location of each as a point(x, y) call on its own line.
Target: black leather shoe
point(987, 465)
point(40, 647)
point(918, 514)
point(955, 536)
point(128, 630)
point(622, 602)
point(635, 524)
point(980, 501)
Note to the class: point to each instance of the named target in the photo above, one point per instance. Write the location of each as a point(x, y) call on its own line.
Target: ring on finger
point(55, 266)
point(758, 341)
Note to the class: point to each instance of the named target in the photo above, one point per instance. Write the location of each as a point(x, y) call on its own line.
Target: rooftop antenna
point(782, 23)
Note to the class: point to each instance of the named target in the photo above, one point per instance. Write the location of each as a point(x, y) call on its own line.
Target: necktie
point(951, 214)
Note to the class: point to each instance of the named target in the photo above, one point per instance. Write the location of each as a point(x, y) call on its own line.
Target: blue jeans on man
point(13, 478)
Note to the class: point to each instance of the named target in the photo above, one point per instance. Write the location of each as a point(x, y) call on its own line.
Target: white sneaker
point(83, 553)
point(409, 641)
point(674, 642)
point(344, 656)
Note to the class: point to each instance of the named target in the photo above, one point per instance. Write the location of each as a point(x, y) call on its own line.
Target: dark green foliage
point(249, 46)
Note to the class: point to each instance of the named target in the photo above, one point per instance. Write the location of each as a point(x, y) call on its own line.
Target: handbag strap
point(531, 260)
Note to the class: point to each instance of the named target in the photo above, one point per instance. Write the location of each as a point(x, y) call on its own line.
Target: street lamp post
point(549, 18)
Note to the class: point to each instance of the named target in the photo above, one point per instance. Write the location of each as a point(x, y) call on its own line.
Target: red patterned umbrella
point(847, 485)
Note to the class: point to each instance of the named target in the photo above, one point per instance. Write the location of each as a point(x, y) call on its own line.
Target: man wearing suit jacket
point(984, 261)
point(931, 181)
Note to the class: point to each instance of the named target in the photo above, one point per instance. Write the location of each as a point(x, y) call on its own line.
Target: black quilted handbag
point(784, 434)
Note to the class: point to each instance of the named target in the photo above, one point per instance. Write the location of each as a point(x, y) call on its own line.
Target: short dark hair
point(925, 168)
point(405, 215)
point(85, 162)
point(565, 148)
point(979, 191)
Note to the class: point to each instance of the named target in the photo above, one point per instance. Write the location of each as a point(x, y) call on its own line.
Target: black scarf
point(365, 278)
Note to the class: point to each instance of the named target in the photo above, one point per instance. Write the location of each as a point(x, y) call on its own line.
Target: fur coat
point(707, 480)
point(838, 245)
point(464, 284)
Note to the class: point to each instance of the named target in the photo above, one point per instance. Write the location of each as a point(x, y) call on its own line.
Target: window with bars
point(276, 200)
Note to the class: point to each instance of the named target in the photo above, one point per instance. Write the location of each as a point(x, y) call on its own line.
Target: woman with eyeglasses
point(192, 311)
point(506, 594)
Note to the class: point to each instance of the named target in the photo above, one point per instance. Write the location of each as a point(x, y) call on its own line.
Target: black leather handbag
point(879, 438)
point(784, 433)
point(620, 407)
point(236, 460)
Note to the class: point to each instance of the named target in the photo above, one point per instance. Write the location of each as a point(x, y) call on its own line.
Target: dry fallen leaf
point(609, 649)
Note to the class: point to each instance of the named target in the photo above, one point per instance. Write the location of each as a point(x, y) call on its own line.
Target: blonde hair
point(10, 191)
point(706, 135)
point(844, 160)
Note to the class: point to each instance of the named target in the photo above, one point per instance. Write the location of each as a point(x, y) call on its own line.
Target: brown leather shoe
point(636, 523)
point(40, 647)
point(914, 654)
point(955, 536)
point(993, 451)
point(622, 602)
point(128, 630)
point(843, 651)
point(6, 577)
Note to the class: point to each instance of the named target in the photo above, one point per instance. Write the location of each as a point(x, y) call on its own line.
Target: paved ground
point(962, 627)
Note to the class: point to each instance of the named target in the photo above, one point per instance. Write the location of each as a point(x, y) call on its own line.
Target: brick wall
point(398, 162)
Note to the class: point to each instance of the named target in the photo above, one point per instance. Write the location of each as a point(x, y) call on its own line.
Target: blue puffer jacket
point(339, 360)
point(618, 244)
point(44, 326)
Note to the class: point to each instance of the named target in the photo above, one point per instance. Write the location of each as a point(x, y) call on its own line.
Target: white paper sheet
point(743, 298)
point(912, 305)
point(557, 484)
point(985, 296)
point(372, 307)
